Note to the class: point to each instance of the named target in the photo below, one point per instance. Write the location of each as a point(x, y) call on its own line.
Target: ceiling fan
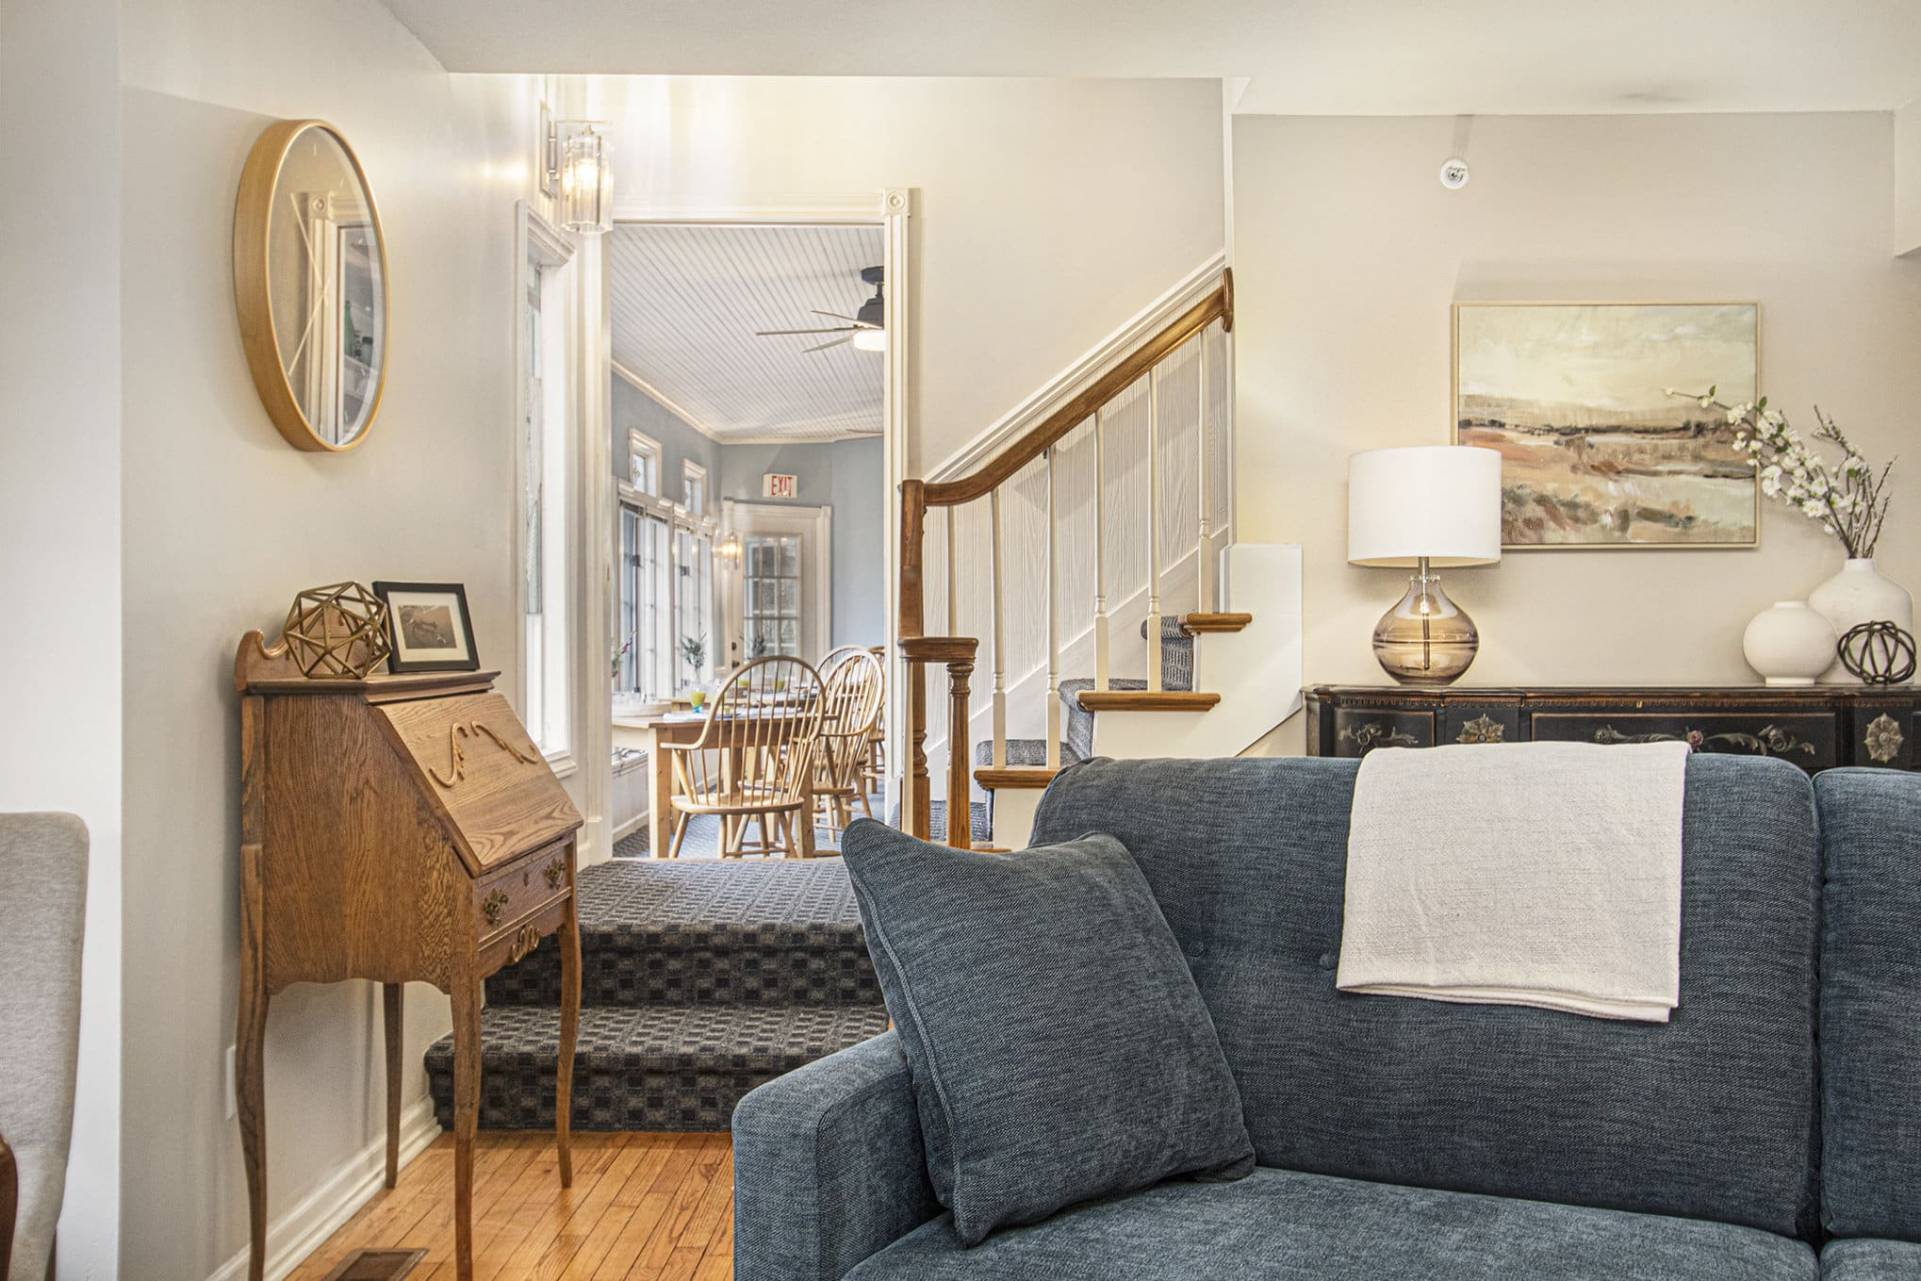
point(866, 328)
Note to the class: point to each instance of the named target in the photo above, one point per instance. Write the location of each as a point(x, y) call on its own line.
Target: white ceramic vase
point(1789, 644)
point(1859, 595)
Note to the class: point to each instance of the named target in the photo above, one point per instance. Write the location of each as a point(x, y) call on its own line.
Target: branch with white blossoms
point(1849, 498)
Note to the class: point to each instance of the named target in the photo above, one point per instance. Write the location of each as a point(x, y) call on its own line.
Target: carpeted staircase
point(699, 981)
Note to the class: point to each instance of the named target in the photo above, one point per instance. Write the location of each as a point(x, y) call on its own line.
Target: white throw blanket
point(1543, 874)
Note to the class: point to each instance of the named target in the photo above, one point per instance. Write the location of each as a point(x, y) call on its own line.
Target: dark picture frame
point(429, 627)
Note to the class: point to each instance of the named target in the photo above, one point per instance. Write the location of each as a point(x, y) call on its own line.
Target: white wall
point(224, 523)
point(1350, 254)
point(1050, 210)
point(60, 561)
point(1907, 179)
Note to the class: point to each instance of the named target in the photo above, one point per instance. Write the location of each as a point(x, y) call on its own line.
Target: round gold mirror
point(310, 284)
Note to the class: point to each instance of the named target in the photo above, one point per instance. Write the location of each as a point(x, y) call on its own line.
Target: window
point(771, 606)
point(693, 488)
point(643, 463)
point(693, 605)
point(546, 435)
point(643, 588)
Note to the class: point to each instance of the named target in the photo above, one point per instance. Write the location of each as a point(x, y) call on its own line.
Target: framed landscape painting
point(1594, 452)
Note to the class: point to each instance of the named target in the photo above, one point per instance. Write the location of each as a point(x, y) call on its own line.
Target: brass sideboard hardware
point(555, 872)
point(526, 939)
point(491, 905)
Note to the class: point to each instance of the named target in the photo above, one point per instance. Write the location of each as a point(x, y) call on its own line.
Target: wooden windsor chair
point(851, 710)
point(754, 758)
point(874, 767)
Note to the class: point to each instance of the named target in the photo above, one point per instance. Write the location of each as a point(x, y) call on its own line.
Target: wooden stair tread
point(1146, 700)
point(1014, 776)
point(1194, 624)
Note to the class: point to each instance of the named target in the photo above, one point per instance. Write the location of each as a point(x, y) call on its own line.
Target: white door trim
point(889, 209)
point(814, 523)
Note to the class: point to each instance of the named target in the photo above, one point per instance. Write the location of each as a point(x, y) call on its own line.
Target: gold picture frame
point(1708, 498)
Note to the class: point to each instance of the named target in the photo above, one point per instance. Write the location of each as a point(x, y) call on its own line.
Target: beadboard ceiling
point(686, 303)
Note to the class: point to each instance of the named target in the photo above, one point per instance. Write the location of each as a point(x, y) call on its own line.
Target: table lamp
point(1427, 507)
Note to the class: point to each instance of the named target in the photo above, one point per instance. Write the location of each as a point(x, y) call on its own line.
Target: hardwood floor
point(644, 1207)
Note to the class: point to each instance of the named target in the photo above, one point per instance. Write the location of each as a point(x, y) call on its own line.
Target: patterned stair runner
point(699, 981)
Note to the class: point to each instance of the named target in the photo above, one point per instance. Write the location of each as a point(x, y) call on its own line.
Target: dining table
point(653, 732)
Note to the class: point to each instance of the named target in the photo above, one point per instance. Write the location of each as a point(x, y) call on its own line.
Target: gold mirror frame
point(252, 285)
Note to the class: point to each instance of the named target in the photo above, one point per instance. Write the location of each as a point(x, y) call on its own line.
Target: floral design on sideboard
point(1482, 729)
point(1883, 739)
point(1769, 740)
point(1375, 734)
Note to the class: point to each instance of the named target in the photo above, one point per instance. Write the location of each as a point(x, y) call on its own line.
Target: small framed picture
point(429, 627)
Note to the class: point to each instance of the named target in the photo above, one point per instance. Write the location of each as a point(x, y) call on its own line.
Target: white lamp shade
point(1438, 501)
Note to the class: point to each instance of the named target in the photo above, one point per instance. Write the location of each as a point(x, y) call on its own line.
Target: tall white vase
point(1859, 595)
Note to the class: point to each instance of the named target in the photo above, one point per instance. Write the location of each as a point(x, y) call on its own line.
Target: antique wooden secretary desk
point(397, 828)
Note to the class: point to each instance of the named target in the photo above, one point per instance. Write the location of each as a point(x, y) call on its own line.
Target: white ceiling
point(686, 303)
point(1316, 57)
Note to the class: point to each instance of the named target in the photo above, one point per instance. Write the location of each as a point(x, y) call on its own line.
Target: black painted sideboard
point(1816, 727)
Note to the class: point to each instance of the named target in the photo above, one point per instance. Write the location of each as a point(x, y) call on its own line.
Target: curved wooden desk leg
point(569, 1032)
point(390, 1021)
point(250, 1098)
point(466, 1001)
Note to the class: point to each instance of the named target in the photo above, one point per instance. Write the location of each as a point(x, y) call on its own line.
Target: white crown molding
point(306, 1226)
point(856, 207)
point(647, 389)
point(1058, 390)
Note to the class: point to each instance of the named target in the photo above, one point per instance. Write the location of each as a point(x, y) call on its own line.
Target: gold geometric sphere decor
point(337, 633)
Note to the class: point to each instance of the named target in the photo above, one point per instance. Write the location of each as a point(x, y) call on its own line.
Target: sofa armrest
point(828, 1166)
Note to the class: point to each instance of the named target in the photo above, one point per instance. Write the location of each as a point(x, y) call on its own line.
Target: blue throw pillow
point(1058, 1046)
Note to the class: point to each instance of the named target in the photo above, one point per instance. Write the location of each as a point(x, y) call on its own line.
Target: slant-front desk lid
point(465, 752)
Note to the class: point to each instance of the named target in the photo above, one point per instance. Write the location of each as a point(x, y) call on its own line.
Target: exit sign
point(775, 485)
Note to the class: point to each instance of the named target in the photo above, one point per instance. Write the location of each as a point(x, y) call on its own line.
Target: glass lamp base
point(1426, 639)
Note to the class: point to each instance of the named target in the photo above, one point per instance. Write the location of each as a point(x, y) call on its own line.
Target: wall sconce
point(580, 175)
point(730, 549)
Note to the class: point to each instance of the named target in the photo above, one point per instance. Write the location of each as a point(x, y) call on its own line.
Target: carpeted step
point(980, 830)
point(1021, 752)
point(680, 1067)
point(668, 933)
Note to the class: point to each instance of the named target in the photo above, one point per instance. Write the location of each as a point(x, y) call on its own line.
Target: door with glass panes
point(783, 582)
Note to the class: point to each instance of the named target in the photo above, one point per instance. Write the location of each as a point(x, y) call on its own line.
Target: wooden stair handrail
point(957, 653)
point(1001, 468)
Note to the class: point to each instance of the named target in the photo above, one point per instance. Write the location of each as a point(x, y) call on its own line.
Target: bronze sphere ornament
point(1877, 653)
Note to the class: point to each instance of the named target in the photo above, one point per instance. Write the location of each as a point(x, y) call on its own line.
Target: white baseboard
point(301, 1230)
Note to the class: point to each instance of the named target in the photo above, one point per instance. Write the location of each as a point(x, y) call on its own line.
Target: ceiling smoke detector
point(1454, 174)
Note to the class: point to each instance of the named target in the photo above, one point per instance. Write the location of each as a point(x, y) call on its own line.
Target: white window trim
point(534, 236)
point(639, 442)
point(691, 471)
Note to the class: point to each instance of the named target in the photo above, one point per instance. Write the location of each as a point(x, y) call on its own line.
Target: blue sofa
point(1771, 1130)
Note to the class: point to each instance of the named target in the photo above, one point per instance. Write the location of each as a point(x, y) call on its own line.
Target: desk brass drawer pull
point(526, 939)
point(555, 872)
point(491, 905)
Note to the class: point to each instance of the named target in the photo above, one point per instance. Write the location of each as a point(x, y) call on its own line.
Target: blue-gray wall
point(634, 408)
point(846, 474)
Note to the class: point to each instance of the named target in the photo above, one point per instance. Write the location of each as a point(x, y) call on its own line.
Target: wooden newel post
point(920, 799)
point(960, 804)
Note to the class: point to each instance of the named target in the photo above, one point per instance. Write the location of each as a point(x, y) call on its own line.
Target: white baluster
point(953, 579)
point(1053, 625)
point(1154, 528)
point(1100, 548)
point(1204, 549)
point(1000, 639)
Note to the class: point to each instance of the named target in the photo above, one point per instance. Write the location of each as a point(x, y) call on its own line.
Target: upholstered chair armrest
point(828, 1166)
